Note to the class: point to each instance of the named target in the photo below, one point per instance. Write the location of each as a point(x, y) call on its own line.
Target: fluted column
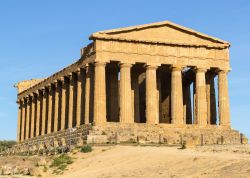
point(63, 103)
point(79, 97)
point(27, 134)
point(19, 117)
point(224, 110)
point(125, 94)
point(24, 104)
point(56, 108)
point(38, 113)
point(211, 98)
point(201, 101)
point(100, 94)
point(89, 74)
point(71, 101)
point(50, 101)
point(44, 111)
point(176, 96)
point(152, 99)
point(33, 117)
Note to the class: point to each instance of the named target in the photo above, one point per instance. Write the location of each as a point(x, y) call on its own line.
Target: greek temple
point(159, 76)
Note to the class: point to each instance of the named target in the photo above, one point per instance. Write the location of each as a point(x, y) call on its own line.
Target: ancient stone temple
point(161, 82)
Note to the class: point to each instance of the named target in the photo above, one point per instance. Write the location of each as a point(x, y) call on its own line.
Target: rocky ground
point(140, 161)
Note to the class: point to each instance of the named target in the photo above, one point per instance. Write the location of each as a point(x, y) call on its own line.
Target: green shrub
point(4, 144)
point(61, 161)
point(86, 149)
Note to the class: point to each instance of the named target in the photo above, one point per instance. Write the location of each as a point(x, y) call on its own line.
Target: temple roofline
point(103, 34)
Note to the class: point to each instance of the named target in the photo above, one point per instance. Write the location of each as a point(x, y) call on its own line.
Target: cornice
point(109, 38)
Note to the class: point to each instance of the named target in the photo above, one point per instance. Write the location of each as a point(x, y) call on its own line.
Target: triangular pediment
point(162, 32)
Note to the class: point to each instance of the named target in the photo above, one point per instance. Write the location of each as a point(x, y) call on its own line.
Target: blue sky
point(38, 38)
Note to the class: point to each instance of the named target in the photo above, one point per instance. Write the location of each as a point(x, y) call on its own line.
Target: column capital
point(200, 69)
point(125, 65)
point(225, 71)
point(55, 82)
point(70, 75)
point(151, 66)
point(100, 63)
point(78, 71)
point(43, 91)
point(27, 97)
point(86, 66)
point(62, 78)
point(177, 67)
point(36, 92)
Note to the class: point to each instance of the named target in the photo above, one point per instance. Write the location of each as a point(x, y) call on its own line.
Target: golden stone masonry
point(154, 78)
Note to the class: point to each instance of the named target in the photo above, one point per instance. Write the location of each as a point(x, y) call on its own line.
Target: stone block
point(244, 141)
point(97, 139)
point(189, 143)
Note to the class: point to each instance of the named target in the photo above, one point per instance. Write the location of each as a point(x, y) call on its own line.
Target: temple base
point(170, 134)
point(139, 133)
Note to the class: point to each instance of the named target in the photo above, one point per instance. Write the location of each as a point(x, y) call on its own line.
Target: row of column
point(56, 107)
point(152, 99)
point(64, 102)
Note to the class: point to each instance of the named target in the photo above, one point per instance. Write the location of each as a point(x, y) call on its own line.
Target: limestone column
point(152, 99)
point(79, 97)
point(63, 103)
point(71, 101)
point(44, 111)
point(33, 109)
point(211, 98)
point(19, 102)
point(24, 103)
point(176, 96)
point(27, 134)
point(56, 108)
point(50, 98)
point(125, 94)
point(224, 110)
point(87, 94)
point(100, 94)
point(38, 113)
point(201, 101)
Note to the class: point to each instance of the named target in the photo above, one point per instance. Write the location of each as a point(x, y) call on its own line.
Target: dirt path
point(146, 161)
point(139, 161)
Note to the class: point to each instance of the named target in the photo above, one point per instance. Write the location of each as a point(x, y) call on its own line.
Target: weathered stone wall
point(52, 143)
point(165, 133)
point(140, 133)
